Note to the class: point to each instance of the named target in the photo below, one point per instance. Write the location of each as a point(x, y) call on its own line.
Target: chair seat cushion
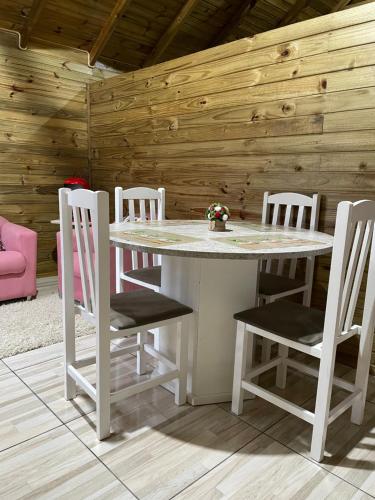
point(150, 275)
point(12, 262)
point(141, 307)
point(288, 320)
point(273, 284)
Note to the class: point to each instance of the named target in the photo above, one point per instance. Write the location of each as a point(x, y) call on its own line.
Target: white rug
point(28, 325)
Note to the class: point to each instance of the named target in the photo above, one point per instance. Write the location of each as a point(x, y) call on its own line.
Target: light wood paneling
point(43, 134)
point(289, 109)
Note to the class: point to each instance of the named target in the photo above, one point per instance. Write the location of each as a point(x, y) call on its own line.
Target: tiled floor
point(160, 451)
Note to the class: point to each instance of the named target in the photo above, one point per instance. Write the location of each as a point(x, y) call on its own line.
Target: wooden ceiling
point(130, 34)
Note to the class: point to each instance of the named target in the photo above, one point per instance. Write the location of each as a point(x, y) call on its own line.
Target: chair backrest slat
point(287, 218)
point(81, 257)
point(301, 216)
point(144, 197)
point(131, 209)
point(143, 218)
point(352, 255)
point(89, 251)
point(358, 276)
point(266, 208)
point(353, 242)
point(288, 213)
point(142, 210)
point(155, 258)
point(275, 216)
point(289, 202)
point(152, 210)
point(88, 208)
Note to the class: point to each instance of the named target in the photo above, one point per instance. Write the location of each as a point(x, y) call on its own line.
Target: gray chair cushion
point(272, 284)
point(150, 275)
point(142, 307)
point(288, 320)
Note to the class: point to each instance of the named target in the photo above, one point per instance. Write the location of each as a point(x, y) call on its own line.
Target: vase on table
point(216, 225)
point(217, 215)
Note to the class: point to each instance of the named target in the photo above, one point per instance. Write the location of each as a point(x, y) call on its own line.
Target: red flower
point(218, 215)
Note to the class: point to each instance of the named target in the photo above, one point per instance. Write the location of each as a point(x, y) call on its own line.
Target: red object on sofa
point(76, 183)
point(18, 261)
point(77, 275)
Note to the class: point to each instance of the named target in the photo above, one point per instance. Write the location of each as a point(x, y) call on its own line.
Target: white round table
point(217, 275)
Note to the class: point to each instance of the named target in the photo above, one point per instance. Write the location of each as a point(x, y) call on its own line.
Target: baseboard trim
point(47, 281)
point(204, 399)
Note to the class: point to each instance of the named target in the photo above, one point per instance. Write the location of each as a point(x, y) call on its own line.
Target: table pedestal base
point(215, 289)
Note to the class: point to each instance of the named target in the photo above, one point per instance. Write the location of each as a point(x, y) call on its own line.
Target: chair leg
point(362, 375)
point(250, 359)
point(141, 361)
point(182, 352)
point(156, 334)
point(309, 281)
point(239, 368)
point(266, 350)
point(103, 385)
point(266, 343)
point(70, 387)
point(282, 368)
point(322, 406)
point(119, 269)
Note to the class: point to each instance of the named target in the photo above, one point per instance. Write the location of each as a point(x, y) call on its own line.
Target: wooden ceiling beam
point(341, 4)
point(32, 19)
point(170, 33)
point(107, 30)
point(292, 14)
point(238, 16)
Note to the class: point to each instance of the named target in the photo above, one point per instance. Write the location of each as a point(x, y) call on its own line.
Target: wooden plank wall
point(43, 134)
point(288, 110)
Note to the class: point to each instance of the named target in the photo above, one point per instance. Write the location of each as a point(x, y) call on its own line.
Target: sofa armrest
point(21, 239)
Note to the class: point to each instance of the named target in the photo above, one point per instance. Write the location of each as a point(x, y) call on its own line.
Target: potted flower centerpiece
point(217, 215)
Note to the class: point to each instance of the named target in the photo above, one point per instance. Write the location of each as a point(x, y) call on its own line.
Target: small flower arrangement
point(217, 214)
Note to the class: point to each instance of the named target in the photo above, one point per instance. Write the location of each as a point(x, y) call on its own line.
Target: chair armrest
point(20, 239)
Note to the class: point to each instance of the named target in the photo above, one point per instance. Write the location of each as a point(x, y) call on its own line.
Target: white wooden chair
point(316, 333)
point(299, 211)
point(276, 285)
point(145, 275)
point(119, 315)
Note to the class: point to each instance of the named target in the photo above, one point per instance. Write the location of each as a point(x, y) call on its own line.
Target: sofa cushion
point(12, 263)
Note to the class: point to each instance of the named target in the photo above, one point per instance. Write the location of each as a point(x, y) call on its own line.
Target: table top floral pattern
point(241, 240)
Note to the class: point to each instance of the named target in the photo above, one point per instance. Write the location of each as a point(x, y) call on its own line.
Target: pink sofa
point(77, 275)
point(18, 262)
